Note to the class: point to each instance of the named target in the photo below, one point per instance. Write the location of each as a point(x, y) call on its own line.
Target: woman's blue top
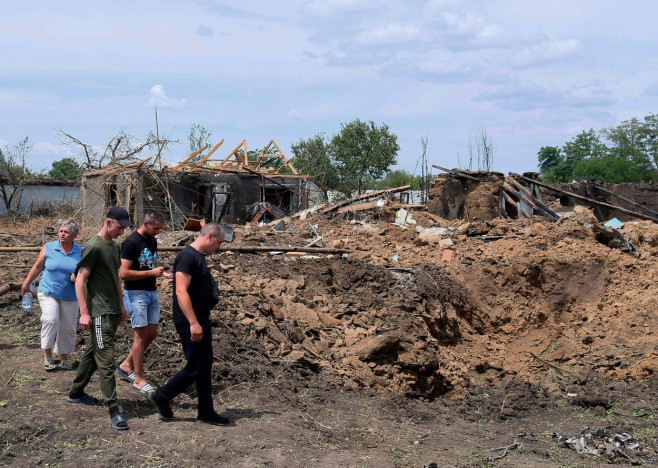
point(56, 278)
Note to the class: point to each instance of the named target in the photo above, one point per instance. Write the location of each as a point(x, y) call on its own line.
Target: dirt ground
point(440, 343)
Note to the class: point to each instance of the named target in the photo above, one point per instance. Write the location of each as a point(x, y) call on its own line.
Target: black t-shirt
point(143, 252)
point(203, 288)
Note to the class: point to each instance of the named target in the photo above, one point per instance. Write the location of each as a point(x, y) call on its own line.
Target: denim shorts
point(143, 307)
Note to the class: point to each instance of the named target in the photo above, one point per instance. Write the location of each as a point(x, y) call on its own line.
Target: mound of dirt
point(521, 299)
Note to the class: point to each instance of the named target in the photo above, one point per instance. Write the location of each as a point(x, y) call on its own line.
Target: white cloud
point(389, 34)
point(204, 31)
point(651, 90)
point(160, 99)
point(330, 8)
point(551, 50)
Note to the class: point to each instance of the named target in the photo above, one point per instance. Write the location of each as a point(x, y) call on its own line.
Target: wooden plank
point(205, 158)
point(523, 197)
point(455, 172)
point(196, 153)
point(262, 153)
point(364, 196)
point(359, 207)
point(545, 210)
point(243, 142)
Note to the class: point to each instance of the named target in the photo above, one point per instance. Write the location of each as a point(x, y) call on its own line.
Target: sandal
point(125, 375)
point(144, 389)
point(66, 365)
point(49, 365)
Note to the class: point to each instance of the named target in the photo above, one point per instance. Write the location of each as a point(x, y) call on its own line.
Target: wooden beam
point(359, 207)
point(262, 153)
point(539, 206)
point(243, 142)
point(205, 158)
point(183, 162)
point(455, 172)
point(628, 200)
point(365, 196)
point(587, 200)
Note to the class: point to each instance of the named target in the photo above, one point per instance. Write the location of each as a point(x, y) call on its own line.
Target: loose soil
point(391, 355)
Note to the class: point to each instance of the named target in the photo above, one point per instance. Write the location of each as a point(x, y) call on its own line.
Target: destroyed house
point(484, 195)
point(198, 188)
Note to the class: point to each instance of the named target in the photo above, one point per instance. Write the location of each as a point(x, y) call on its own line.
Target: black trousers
point(197, 371)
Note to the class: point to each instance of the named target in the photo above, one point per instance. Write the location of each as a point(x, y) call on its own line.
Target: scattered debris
point(516, 445)
point(616, 446)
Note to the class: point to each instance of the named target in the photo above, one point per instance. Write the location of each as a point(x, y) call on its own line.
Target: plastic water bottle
point(28, 298)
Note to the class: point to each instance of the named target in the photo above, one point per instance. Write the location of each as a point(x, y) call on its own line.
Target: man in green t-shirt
point(98, 289)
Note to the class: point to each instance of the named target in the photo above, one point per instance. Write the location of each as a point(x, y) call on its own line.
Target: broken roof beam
point(278, 155)
point(523, 198)
point(628, 200)
point(456, 172)
point(586, 199)
point(365, 196)
point(286, 160)
point(190, 157)
point(205, 158)
point(533, 201)
point(263, 152)
point(361, 206)
point(243, 143)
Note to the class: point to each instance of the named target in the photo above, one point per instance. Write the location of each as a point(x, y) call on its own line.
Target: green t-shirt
point(103, 260)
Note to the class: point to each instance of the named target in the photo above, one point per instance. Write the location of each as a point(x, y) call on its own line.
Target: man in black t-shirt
point(139, 256)
point(195, 294)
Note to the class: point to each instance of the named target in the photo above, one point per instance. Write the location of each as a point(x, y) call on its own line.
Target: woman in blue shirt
point(59, 306)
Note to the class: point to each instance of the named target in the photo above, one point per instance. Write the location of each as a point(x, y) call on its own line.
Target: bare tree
point(121, 148)
point(481, 142)
point(13, 175)
point(471, 150)
point(425, 175)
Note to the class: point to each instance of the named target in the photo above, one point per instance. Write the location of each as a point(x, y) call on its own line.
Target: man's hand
point(85, 321)
point(158, 271)
point(196, 332)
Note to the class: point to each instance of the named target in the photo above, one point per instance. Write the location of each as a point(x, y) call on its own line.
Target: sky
point(529, 73)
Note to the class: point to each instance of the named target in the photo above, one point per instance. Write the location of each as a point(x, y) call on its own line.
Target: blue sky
point(532, 73)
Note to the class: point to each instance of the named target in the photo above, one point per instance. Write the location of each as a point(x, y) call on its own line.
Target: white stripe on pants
point(59, 320)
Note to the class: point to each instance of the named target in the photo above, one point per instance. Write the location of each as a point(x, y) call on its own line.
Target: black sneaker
point(164, 410)
point(215, 420)
point(82, 397)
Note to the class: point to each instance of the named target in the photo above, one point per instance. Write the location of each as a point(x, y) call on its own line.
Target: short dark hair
point(154, 216)
point(212, 228)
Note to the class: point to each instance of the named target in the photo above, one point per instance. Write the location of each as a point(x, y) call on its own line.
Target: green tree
point(648, 135)
point(198, 137)
point(313, 157)
point(632, 140)
point(551, 164)
point(363, 152)
point(613, 169)
point(630, 155)
point(65, 169)
point(585, 145)
point(397, 178)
